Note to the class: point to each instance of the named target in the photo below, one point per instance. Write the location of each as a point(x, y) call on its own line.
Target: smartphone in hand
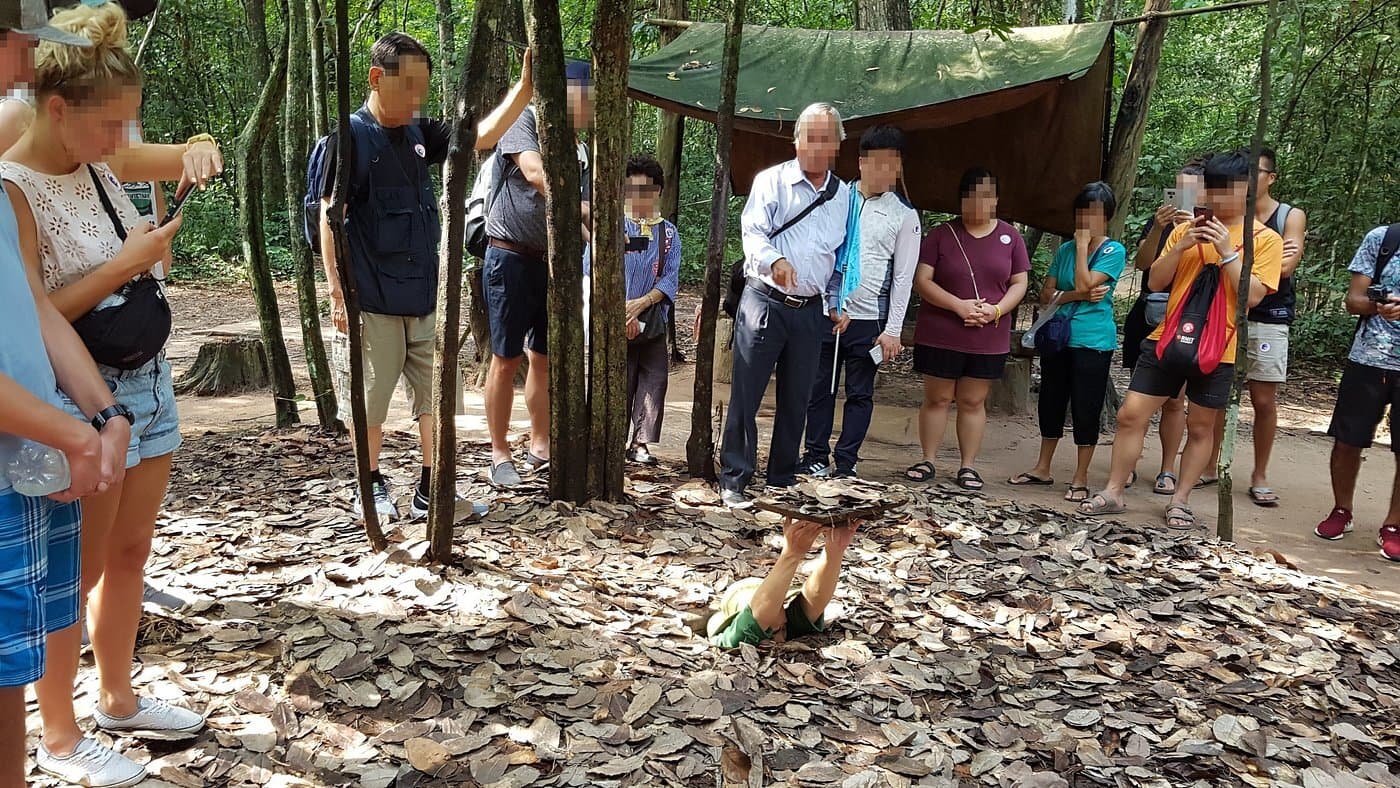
point(177, 205)
point(1203, 215)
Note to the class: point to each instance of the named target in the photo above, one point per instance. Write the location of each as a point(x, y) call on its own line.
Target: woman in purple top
point(972, 273)
point(651, 272)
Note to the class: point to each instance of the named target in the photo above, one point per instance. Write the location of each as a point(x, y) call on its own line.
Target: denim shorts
point(38, 581)
point(150, 394)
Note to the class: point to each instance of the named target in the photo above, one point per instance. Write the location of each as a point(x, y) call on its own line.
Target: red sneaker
point(1390, 542)
point(1337, 525)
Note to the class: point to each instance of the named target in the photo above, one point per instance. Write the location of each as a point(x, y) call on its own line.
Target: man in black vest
point(393, 230)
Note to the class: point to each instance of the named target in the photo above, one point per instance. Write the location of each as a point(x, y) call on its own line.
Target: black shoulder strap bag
point(131, 327)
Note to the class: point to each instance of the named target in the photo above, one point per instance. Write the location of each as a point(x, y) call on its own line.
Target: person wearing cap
point(392, 229)
point(515, 279)
point(753, 610)
point(41, 355)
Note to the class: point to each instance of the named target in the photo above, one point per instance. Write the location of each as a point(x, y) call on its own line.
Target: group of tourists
point(828, 273)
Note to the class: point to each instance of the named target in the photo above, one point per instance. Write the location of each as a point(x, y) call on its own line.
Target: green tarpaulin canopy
point(1032, 108)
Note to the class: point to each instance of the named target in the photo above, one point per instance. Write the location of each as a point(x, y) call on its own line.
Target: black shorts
point(516, 290)
point(954, 364)
point(1362, 398)
point(1207, 391)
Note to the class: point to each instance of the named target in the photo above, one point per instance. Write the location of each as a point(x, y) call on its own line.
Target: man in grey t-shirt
point(515, 279)
point(1370, 384)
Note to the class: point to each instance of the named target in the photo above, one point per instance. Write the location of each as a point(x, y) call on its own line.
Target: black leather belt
point(774, 294)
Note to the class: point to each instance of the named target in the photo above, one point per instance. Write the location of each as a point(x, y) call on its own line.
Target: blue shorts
point(150, 393)
point(516, 290)
point(38, 581)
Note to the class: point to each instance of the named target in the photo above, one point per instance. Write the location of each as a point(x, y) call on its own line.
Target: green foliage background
point(1334, 119)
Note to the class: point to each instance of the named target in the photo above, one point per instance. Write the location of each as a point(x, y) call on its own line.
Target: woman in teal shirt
point(1082, 277)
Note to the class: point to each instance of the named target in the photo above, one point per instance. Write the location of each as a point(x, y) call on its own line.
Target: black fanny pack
point(130, 327)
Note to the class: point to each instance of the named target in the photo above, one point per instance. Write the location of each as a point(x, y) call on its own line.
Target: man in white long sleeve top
point(793, 223)
point(866, 298)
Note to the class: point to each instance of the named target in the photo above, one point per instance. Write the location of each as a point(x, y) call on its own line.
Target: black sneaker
point(845, 473)
point(817, 468)
point(735, 499)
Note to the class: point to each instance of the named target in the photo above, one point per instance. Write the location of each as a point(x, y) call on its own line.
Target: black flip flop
point(1029, 479)
point(968, 479)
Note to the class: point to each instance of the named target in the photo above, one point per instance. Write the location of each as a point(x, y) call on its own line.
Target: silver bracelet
point(1232, 258)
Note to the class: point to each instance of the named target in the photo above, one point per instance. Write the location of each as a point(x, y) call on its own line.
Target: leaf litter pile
point(972, 641)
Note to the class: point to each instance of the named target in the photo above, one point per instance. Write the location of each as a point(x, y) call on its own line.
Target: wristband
point(198, 138)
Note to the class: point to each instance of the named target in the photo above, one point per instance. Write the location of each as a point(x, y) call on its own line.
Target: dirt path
point(1299, 470)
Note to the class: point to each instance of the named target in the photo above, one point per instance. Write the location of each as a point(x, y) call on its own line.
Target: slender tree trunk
point(1225, 523)
point(700, 448)
point(1110, 11)
point(568, 401)
point(250, 219)
point(472, 92)
point(447, 53)
point(296, 146)
point(274, 195)
point(1131, 123)
point(320, 121)
point(883, 15)
point(607, 371)
point(670, 150)
point(335, 214)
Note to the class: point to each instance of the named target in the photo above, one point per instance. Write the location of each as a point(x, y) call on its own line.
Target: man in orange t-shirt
point(1214, 238)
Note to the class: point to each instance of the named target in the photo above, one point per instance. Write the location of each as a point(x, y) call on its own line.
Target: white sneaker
point(383, 503)
point(419, 508)
point(154, 719)
point(91, 764)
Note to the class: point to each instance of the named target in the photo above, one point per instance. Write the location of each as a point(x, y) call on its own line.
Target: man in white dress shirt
point(793, 222)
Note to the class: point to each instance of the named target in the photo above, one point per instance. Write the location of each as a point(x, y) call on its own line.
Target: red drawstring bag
point(1196, 333)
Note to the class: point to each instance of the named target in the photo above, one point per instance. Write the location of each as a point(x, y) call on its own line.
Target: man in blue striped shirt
point(793, 223)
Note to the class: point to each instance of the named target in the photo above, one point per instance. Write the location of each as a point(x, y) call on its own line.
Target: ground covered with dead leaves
point(973, 641)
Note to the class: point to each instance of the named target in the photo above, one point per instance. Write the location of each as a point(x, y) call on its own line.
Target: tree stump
point(226, 365)
point(724, 349)
point(1011, 396)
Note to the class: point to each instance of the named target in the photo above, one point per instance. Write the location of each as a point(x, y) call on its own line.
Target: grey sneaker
point(735, 499)
point(383, 503)
point(91, 764)
point(419, 507)
point(504, 474)
point(154, 719)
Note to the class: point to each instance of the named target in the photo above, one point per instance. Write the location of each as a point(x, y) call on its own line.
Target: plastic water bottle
point(37, 470)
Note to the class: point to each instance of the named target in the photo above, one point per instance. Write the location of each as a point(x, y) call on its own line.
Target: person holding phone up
point(1214, 238)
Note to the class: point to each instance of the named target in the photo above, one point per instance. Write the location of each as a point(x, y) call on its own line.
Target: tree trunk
point(883, 15)
point(224, 366)
point(320, 121)
point(670, 135)
point(335, 214)
point(250, 219)
point(1225, 522)
point(1110, 11)
point(273, 179)
point(471, 94)
point(447, 53)
point(607, 369)
point(568, 402)
point(700, 448)
point(296, 146)
point(1131, 122)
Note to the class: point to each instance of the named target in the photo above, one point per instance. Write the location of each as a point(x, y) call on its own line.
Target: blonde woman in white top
point(86, 104)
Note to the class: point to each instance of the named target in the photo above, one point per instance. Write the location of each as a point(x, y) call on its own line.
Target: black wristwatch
point(118, 411)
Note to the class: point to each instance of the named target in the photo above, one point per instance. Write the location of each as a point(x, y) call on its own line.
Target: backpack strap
point(1389, 245)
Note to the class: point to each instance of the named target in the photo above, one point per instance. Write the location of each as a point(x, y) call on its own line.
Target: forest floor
point(974, 639)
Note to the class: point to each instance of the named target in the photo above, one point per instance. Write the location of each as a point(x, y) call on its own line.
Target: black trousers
point(769, 335)
point(1075, 379)
point(859, 369)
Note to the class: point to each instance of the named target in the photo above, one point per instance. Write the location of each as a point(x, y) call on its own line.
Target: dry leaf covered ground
point(973, 641)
